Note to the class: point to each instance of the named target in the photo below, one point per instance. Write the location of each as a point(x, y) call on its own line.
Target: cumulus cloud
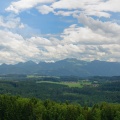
point(100, 8)
point(66, 13)
point(25, 4)
point(109, 5)
point(14, 48)
point(95, 39)
point(40, 41)
point(10, 22)
point(81, 6)
point(86, 44)
point(45, 9)
point(21, 26)
point(104, 28)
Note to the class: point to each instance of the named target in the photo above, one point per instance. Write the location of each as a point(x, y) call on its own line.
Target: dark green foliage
point(108, 90)
point(18, 108)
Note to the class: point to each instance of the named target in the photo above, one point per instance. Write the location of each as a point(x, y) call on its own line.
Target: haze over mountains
point(66, 67)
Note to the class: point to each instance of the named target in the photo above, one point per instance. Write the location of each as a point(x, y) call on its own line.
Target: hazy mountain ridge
point(64, 67)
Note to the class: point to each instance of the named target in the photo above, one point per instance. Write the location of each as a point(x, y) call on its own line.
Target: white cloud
point(109, 5)
point(25, 4)
point(64, 4)
point(66, 13)
point(21, 26)
point(100, 8)
point(108, 29)
point(94, 40)
point(45, 9)
point(13, 48)
point(83, 35)
point(39, 41)
point(84, 6)
point(9, 22)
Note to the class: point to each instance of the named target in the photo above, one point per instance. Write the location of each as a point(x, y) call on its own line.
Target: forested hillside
point(17, 108)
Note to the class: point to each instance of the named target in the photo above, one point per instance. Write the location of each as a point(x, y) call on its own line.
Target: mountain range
point(66, 67)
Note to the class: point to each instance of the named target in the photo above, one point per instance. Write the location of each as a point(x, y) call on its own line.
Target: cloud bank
point(88, 39)
point(95, 40)
point(100, 8)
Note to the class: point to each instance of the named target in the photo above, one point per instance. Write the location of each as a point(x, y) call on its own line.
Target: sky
point(52, 30)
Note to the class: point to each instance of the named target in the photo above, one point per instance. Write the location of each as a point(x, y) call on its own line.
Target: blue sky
point(46, 23)
point(51, 30)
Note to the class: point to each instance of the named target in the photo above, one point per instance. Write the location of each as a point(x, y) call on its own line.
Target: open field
point(38, 76)
point(72, 84)
point(78, 84)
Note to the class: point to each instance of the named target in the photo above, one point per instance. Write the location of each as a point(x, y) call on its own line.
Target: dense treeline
point(104, 78)
point(18, 108)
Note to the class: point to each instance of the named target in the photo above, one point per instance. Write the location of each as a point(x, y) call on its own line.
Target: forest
point(18, 108)
point(83, 91)
point(35, 97)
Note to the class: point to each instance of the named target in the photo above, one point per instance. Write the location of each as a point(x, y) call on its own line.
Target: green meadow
point(78, 84)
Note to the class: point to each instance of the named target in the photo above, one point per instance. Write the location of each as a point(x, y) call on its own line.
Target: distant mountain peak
point(4, 64)
point(71, 60)
point(30, 62)
point(65, 67)
point(96, 61)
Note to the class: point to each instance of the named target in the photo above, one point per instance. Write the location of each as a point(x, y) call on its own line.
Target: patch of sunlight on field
point(35, 76)
point(47, 82)
point(70, 84)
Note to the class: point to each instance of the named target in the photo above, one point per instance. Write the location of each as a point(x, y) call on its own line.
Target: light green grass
point(47, 82)
point(85, 83)
point(35, 76)
point(70, 84)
